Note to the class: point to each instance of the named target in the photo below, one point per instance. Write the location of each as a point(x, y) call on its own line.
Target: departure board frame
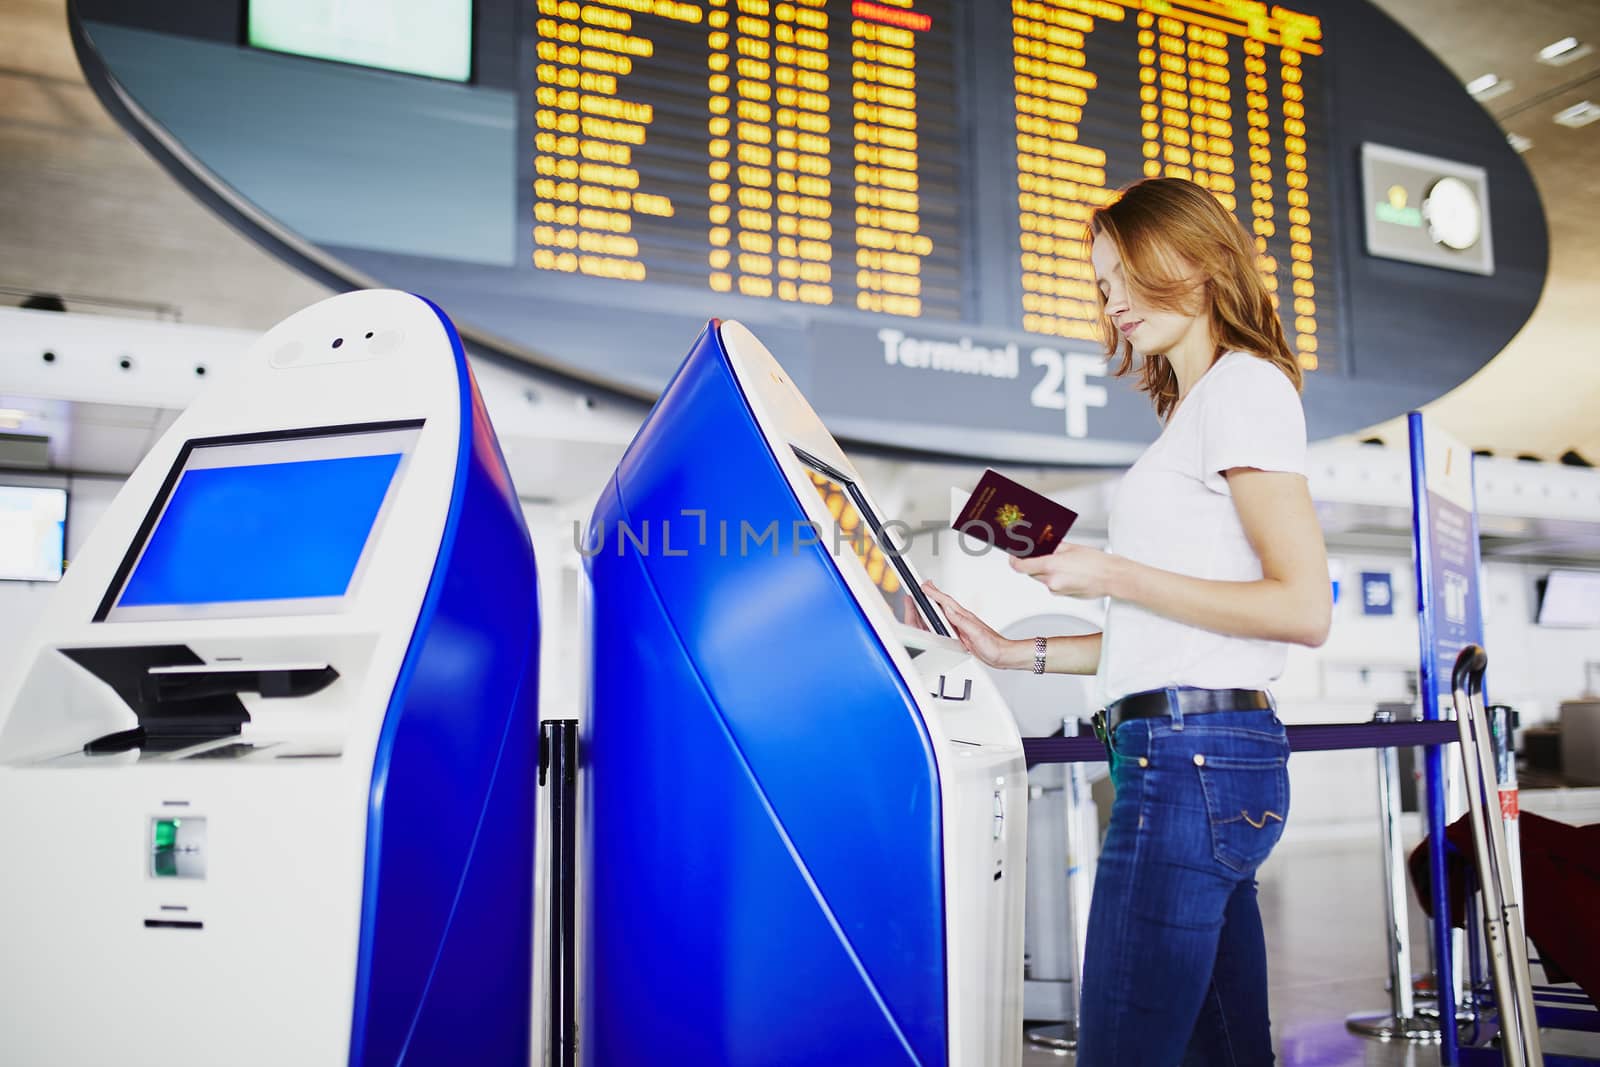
point(977, 343)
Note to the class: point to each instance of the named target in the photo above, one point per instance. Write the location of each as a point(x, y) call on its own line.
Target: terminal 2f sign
point(1064, 377)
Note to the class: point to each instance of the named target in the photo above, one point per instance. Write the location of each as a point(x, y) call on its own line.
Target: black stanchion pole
point(558, 773)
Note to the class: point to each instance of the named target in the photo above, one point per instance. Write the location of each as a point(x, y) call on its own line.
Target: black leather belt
point(1160, 702)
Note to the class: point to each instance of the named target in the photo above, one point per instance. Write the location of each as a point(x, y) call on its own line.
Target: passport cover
point(1014, 518)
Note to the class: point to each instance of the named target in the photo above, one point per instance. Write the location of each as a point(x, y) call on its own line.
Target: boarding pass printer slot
point(181, 700)
point(170, 684)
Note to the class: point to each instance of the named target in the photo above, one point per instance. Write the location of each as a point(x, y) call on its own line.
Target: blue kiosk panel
point(445, 963)
point(765, 880)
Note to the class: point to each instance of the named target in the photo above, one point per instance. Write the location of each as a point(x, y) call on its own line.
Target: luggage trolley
point(1502, 914)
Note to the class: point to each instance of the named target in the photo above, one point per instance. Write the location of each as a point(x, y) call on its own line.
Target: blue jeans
point(1175, 969)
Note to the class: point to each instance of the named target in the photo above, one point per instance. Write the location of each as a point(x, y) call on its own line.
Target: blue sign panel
point(1377, 593)
point(1453, 599)
point(1446, 531)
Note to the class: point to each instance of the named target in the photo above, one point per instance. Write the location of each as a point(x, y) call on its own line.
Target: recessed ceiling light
point(1579, 114)
point(1551, 51)
point(1519, 142)
point(1489, 86)
point(1564, 51)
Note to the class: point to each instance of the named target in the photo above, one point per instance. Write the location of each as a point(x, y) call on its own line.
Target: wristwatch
point(1039, 646)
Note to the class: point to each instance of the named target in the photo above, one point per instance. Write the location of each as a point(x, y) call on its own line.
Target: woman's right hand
point(978, 637)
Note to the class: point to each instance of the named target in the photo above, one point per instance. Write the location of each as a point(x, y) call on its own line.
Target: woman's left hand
point(1071, 570)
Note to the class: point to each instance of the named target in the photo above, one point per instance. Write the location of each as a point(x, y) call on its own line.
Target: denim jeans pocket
point(1247, 800)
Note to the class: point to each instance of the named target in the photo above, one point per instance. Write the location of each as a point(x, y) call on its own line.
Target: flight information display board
point(775, 150)
point(812, 152)
point(892, 194)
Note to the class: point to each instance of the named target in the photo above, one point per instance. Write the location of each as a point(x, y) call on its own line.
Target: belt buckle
point(1101, 733)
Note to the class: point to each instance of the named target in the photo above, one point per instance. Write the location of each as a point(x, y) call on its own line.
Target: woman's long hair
point(1171, 234)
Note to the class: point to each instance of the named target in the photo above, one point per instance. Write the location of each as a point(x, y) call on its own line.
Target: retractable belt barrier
point(1381, 736)
point(1311, 737)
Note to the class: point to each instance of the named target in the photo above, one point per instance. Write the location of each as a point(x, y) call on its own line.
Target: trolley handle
point(1467, 675)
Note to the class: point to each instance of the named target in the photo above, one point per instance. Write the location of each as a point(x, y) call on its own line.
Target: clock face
point(1455, 218)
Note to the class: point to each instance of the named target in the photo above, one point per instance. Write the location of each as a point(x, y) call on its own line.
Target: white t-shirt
point(1173, 511)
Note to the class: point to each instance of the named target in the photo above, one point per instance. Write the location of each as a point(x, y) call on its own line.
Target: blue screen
point(272, 531)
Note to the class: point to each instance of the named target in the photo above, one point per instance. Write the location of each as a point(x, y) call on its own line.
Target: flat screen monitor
point(33, 533)
point(432, 38)
point(261, 525)
point(888, 570)
point(1570, 599)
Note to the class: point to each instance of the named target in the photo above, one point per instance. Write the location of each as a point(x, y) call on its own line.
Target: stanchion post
point(1078, 884)
point(1444, 971)
point(1402, 1022)
point(1394, 879)
point(1445, 539)
point(558, 776)
point(1063, 1037)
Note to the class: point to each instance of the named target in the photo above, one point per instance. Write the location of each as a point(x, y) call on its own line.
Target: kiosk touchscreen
point(805, 801)
point(265, 765)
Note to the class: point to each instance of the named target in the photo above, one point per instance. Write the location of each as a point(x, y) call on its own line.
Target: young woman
point(1216, 563)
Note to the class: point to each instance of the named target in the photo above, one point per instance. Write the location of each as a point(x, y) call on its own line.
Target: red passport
point(1014, 518)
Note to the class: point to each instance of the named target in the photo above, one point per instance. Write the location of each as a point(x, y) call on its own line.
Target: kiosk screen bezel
point(912, 586)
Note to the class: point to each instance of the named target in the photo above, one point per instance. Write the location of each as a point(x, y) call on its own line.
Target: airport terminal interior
point(468, 471)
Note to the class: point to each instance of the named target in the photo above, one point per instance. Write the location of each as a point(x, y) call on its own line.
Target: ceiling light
point(1564, 51)
point(1579, 114)
point(1561, 47)
point(1519, 142)
point(1488, 87)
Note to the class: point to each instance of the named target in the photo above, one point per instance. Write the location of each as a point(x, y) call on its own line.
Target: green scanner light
point(164, 834)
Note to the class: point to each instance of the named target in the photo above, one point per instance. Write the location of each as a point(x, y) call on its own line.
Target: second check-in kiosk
point(805, 801)
point(267, 764)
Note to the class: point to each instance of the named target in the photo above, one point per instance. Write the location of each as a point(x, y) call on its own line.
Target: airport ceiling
point(1541, 395)
point(84, 210)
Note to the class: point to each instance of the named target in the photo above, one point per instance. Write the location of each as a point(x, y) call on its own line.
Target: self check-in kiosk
point(266, 764)
point(805, 802)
